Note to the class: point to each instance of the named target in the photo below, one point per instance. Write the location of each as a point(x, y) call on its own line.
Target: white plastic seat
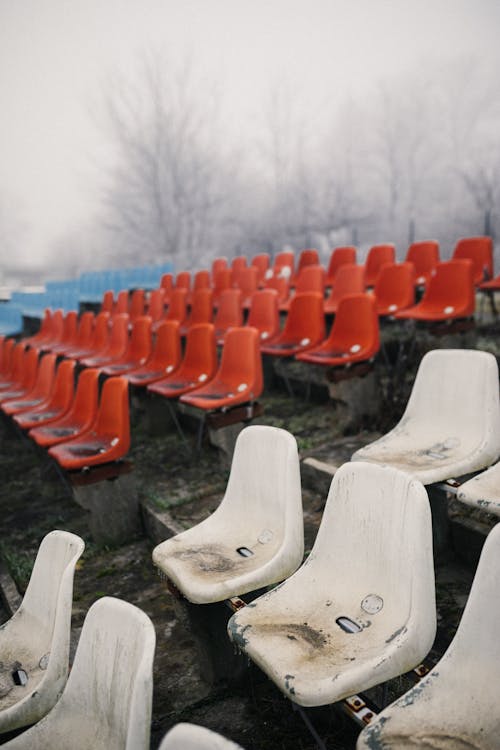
point(370, 570)
point(37, 637)
point(107, 700)
point(192, 737)
point(451, 424)
point(455, 706)
point(256, 535)
point(483, 490)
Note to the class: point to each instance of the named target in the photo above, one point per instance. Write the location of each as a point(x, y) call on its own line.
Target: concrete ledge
point(159, 525)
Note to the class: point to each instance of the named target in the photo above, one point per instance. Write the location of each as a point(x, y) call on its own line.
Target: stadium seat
point(192, 737)
point(354, 336)
point(247, 283)
point(256, 535)
point(229, 313)
point(280, 285)
point(237, 265)
point(14, 366)
point(8, 347)
point(480, 251)
point(339, 256)
point(95, 341)
point(156, 304)
point(28, 368)
point(117, 344)
point(218, 264)
point(455, 705)
point(108, 302)
point(283, 265)
point(165, 357)
point(222, 281)
point(350, 279)
point(77, 419)
point(54, 335)
point(361, 610)
point(394, 288)
point(167, 284)
point(239, 377)
point(83, 337)
point(122, 302)
point(311, 278)
point(264, 314)
point(34, 643)
point(107, 701)
point(137, 304)
point(44, 330)
point(198, 366)
point(69, 333)
point(108, 439)
point(482, 491)
point(56, 404)
point(448, 295)
point(183, 281)
point(201, 280)
point(425, 257)
point(40, 391)
point(377, 256)
point(309, 257)
point(451, 424)
point(262, 262)
point(201, 311)
point(138, 349)
point(304, 327)
point(177, 309)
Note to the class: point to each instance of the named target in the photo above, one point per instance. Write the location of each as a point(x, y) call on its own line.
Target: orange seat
point(264, 313)
point(54, 335)
point(40, 391)
point(77, 418)
point(350, 279)
point(69, 333)
point(237, 264)
point(377, 256)
point(108, 439)
point(229, 313)
point(138, 349)
point(6, 362)
point(239, 377)
point(202, 310)
point(108, 302)
point(304, 327)
point(309, 257)
point(24, 377)
point(198, 365)
point(339, 256)
point(183, 281)
point(247, 283)
point(218, 264)
point(122, 302)
point(93, 341)
point(395, 288)
point(310, 279)
point(117, 344)
point(156, 304)
point(425, 257)
point(57, 402)
point(354, 336)
point(222, 281)
point(44, 330)
point(284, 265)
point(167, 284)
point(448, 295)
point(13, 364)
point(83, 336)
point(480, 251)
point(137, 304)
point(280, 285)
point(177, 309)
point(165, 357)
point(201, 280)
point(262, 263)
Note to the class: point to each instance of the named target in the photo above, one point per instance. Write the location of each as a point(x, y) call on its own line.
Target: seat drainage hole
point(244, 552)
point(20, 677)
point(348, 625)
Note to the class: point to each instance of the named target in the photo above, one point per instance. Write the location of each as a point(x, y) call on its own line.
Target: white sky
point(55, 56)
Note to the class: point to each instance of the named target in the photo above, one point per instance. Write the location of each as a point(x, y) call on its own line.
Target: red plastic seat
point(262, 263)
point(202, 310)
point(201, 280)
point(137, 304)
point(310, 279)
point(83, 336)
point(280, 285)
point(229, 313)
point(377, 256)
point(339, 256)
point(395, 288)
point(177, 309)
point(57, 402)
point(77, 418)
point(118, 341)
point(218, 264)
point(239, 377)
point(13, 364)
point(222, 281)
point(183, 281)
point(122, 302)
point(309, 257)
point(24, 377)
point(108, 439)
point(138, 349)
point(54, 335)
point(350, 279)
point(247, 283)
point(448, 295)
point(6, 361)
point(165, 357)
point(198, 365)
point(264, 314)
point(304, 327)
point(284, 265)
point(94, 338)
point(40, 391)
point(156, 304)
point(237, 264)
point(108, 302)
point(425, 257)
point(480, 251)
point(69, 333)
point(167, 284)
point(44, 331)
point(354, 336)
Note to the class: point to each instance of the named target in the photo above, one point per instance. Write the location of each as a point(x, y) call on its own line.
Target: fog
point(140, 131)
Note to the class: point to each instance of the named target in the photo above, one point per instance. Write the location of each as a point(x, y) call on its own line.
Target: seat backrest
point(156, 306)
point(201, 280)
point(264, 485)
point(377, 256)
point(64, 386)
point(424, 256)
point(183, 280)
point(139, 347)
point(15, 372)
point(177, 307)
point(339, 257)
point(167, 284)
point(305, 319)
point(111, 681)
point(108, 301)
point(201, 306)
point(309, 257)
point(262, 262)
point(310, 278)
point(113, 417)
point(70, 327)
point(222, 281)
point(241, 361)
point(101, 332)
point(29, 370)
point(376, 535)
point(200, 357)
point(7, 352)
point(349, 280)
point(137, 301)
point(118, 340)
point(83, 410)
point(85, 329)
point(167, 347)
point(450, 287)
point(44, 376)
point(218, 264)
point(356, 324)
point(229, 312)
point(480, 251)
point(246, 280)
point(281, 285)
point(121, 304)
point(264, 313)
point(395, 285)
point(282, 261)
point(457, 389)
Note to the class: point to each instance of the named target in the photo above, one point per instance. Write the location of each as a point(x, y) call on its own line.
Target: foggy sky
point(57, 55)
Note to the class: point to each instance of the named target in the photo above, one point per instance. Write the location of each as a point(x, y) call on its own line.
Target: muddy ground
point(253, 712)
